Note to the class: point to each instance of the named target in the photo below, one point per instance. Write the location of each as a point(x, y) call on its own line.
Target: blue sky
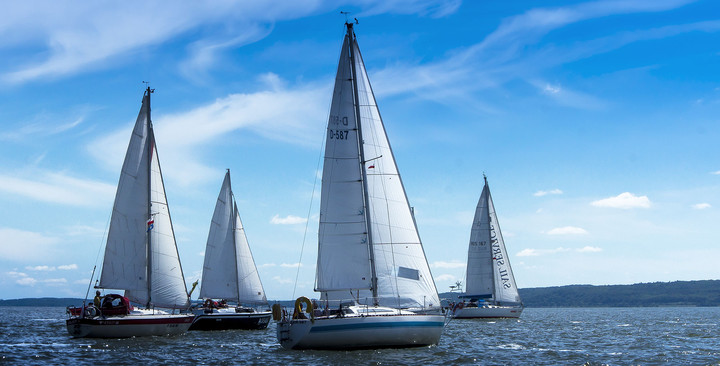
point(596, 123)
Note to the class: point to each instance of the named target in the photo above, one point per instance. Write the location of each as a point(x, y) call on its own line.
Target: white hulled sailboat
point(229, 273)
point(140, 254)
point(372, 274)
point(490, 284)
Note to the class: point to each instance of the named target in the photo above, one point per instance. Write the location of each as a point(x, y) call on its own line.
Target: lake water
point(584, 336)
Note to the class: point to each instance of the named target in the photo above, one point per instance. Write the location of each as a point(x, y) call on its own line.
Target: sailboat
point(229, 273)
point(141, 254)
point(490, 284)
point(375, 285)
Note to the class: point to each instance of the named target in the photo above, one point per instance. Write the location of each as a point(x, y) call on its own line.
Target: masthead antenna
point(147, 84)
point(346, 15)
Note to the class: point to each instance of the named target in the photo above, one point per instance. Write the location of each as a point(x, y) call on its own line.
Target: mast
point(234, 239)
point(492, 258)
point(366, 203)
point(150, 147)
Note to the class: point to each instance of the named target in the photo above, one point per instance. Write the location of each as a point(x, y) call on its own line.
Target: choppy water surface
point(616, 336)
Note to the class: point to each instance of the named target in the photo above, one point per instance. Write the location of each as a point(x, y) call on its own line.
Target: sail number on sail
point(338, 134)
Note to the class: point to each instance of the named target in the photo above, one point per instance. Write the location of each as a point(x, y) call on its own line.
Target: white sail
point(359, 175)
point(489, 275)
point(140, 219)
point(343, 255)
point(505, 287)
point(229, 271)
point(479, 278)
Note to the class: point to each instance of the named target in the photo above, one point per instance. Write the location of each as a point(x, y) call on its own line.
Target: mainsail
point(141, 254)
point(369, 247)
point(489, 275)
point(229, 271)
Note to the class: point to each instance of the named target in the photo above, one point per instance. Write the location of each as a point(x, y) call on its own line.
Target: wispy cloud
point(529, 252)
point(287, 220)
point(442, 264)
point(278, 113)
point(716, 172)
point(624, 201)
point(92, 36)
point(291, 265)
point(19, 245)
point(445, 278)
point(65, 267)
point(504, 56)
point(567, 230)
point(58, 188)
point(544, 193)
point(701, 206)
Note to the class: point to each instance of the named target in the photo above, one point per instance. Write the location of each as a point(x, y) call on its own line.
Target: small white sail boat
point(490, 284)
point(229, 273)
point(375, 282)
point(140, 254)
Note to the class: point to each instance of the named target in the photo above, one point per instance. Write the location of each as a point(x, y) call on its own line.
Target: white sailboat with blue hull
point(490, 287)
point(375, 285)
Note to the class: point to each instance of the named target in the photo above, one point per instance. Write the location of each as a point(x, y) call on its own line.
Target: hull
point(230, 320)
point(129, 326)
point(490, 311)
point(394, 331)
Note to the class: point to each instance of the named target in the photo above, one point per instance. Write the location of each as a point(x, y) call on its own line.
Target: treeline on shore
point(678, 293)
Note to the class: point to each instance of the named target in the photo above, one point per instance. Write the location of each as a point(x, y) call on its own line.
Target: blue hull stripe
point(333, 328)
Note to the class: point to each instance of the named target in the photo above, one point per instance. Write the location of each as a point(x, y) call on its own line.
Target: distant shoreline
point(654, 294)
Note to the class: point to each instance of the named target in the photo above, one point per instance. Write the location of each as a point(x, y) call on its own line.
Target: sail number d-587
point(337, 134)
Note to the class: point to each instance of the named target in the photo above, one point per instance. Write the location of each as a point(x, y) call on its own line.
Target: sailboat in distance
point(141, 254)
point(490, 283)
point(375, 285)
point(229, 273)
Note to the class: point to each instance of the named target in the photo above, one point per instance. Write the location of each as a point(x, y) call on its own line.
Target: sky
point(596, 123)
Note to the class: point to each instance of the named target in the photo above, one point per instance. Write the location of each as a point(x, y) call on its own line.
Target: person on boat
point(98, 299)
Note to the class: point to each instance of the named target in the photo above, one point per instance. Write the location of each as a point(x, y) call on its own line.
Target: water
point(588, 336)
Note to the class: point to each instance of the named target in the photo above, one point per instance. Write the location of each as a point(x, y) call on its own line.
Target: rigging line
point(307, 221)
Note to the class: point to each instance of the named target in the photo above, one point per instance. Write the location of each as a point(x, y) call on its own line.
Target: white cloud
point(291, 265)
point(624, 201)
point(58, 188)
point(67, 267)
point(716, 172)
point(26, 281)
point(40, 268)
point(287, 220)
point(283, 280)
point(529, 252)
point(19, 245)
point(549, 89)
point(280, 114)
point(93, 36)
point(567, 230)
point(445, 277)
point(701, 206)
point(442, 264)
point(543, 193)
point(268, 265)
point(55, 281)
